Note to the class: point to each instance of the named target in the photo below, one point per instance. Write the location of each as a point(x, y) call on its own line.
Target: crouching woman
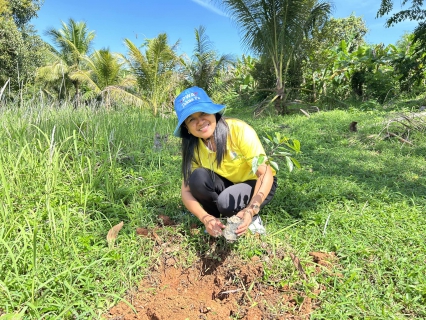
point(217, 155)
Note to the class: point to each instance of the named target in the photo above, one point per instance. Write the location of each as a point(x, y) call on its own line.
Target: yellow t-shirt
point(243, 145)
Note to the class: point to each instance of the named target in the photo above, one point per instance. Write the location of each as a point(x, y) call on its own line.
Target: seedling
point(279, 147)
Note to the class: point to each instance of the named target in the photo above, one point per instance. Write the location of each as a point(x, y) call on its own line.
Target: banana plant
point(244, 81)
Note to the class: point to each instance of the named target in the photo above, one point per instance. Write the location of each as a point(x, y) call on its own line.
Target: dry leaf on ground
point(113, 232)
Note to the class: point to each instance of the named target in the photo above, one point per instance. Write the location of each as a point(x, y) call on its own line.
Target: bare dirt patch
point(217, 286)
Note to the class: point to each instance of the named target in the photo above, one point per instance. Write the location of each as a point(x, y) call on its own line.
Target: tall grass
point(64, 182)
point(67, 175)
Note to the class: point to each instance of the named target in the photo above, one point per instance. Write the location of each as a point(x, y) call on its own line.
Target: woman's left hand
point(246, 217)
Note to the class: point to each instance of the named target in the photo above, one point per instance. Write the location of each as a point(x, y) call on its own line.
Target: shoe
point(256, 225)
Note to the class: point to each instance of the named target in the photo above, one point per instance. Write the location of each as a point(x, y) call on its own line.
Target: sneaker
point(256, 225)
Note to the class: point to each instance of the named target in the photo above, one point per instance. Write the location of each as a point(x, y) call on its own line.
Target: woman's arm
point(213, 225)
point(265, 180)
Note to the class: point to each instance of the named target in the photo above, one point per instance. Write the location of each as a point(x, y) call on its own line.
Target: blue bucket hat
point(193, 100)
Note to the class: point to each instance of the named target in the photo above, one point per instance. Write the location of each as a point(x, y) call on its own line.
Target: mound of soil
point(216, 287)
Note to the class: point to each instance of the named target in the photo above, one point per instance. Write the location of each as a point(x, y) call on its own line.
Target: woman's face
point(201, 125)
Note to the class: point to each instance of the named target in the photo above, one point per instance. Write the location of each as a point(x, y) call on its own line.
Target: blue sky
point(113, 21)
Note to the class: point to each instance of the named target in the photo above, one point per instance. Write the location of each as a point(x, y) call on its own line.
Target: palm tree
point(275, 29)
point(206, 66)
point(54, 76)
point(105, 77)
point(154, 70)
point(74, 42)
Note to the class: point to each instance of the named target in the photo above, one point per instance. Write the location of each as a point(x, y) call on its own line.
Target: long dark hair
point(190, 146)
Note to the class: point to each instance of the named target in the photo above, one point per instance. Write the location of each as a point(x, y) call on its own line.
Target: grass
point(68, 175)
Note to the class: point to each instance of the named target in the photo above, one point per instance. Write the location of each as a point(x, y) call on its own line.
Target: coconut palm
point(54, 76)
point(73, 42)
point(275, 29)
point(206, 66)
point(154, 70)
point(105, 78)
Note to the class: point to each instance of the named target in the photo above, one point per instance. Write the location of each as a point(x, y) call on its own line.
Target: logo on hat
point(190, 97)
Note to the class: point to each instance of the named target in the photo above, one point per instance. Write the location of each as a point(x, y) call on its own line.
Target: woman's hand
point(213, 225)
point(246, 217)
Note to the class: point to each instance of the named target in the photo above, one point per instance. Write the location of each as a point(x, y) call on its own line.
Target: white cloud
point(209, 7)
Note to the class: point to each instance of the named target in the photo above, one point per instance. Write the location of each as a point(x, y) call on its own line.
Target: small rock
point(231, 226)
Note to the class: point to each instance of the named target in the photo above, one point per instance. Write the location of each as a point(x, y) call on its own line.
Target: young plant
point(279, 147)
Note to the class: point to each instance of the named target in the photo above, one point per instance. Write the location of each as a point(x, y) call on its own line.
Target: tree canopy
point(21, 49)
point(276, 29)
point(22, 11)
point(415, 12)
point(205, 65)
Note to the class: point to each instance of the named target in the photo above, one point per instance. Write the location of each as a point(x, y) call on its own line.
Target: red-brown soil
point(216, 287)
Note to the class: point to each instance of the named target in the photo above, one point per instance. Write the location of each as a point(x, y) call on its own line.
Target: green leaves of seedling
point(279, 147)
point(257, 161)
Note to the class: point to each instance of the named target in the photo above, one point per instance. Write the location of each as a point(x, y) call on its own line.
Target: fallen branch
point(229, 291)
point(411, 121)
point(305, 113)
point(391, 134)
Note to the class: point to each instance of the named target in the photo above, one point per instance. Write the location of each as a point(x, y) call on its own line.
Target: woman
point(217, 156)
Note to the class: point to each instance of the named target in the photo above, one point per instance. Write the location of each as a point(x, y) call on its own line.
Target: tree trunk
point(280, 101)
point(77, 94)
point(314, 89)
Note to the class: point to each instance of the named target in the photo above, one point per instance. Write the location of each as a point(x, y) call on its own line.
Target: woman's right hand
point(213, 225)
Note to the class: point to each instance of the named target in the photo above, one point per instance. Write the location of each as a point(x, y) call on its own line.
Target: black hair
point(190, 145)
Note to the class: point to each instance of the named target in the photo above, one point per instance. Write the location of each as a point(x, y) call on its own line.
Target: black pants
point(219, 196)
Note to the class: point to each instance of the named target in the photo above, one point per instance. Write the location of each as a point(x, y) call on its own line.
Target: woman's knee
point(198, 179)
point(199, 183)
point(233, 199)
point(225, 209)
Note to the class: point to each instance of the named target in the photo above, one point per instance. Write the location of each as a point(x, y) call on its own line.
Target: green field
point(68, 175)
